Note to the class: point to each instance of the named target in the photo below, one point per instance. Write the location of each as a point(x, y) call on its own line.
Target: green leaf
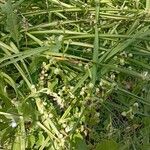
point(31, 141)
point(107, 145)
point(11, 21)
point(9, 80)
point(7, 134)
point(28, 110)
point(3, 95)
point(79, 142)
point(40, 140)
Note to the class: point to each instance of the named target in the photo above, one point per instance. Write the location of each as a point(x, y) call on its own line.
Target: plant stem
point(96, 43)
point(148, 5)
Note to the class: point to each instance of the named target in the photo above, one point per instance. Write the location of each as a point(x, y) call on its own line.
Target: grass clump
point(74, 75)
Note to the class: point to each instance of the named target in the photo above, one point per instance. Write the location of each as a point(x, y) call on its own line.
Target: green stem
point(23, 136)
point(148, 5)
point(96, 43)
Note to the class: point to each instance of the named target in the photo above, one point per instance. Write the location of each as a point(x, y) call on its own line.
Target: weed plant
point(74, 74)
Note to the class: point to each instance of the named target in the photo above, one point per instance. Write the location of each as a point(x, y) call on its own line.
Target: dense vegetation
point(74, 74)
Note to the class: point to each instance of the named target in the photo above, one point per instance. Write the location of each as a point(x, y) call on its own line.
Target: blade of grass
point(96, 42)
point(61, 3)
point(146, 66)
point(23, 135)
point(22, 55)
point(23, 62)
point(121, 46)
point(52, 136)
point(9, 80)
point(53, 24)
point(44, 143)
point(38, 41)
point(19, 69)
point(56, 32)
point(140, 99)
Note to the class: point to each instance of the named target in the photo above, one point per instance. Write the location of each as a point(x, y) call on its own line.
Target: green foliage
point(74, 75)
point(12, 25)
point(79, 142)
point(107, 145)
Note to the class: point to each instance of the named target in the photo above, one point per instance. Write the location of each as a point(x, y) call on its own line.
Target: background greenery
point(74, 75)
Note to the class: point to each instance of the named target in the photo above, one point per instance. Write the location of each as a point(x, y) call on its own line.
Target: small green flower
point(136, 105)
point(91, 85)
point(130, 55)
point(124, 114)
point(57, 71)
point(122, 61)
